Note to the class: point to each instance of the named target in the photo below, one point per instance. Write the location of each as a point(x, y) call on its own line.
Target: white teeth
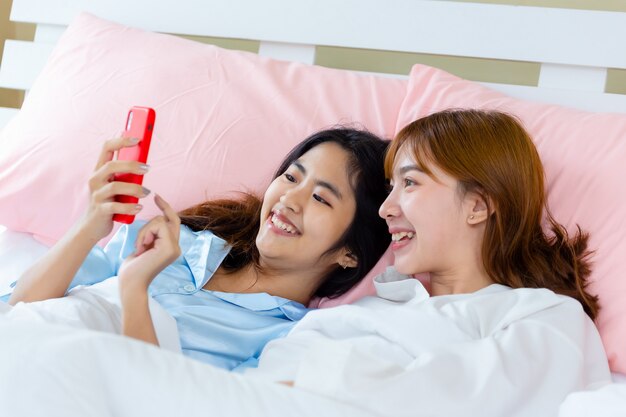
point(284, 226)
point(399, 236)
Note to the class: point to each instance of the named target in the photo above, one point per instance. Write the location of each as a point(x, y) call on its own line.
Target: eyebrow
point(407, 168)
point(334, 190)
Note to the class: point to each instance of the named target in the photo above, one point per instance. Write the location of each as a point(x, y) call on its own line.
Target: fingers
point(164, 229)
point(105, 173)
point(168, 211)
point(111, 189)
point(112, 145)
point(145, 238)
point(158, 233)
point(112, 207)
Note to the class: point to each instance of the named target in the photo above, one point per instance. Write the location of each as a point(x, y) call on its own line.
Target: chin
point(406, 268)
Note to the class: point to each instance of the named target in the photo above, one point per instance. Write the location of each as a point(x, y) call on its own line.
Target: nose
point(292, 199)
point(389, 208)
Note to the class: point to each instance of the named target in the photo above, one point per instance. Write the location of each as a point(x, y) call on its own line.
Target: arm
point(51, 276)
point(155, 248)
point(136, 319)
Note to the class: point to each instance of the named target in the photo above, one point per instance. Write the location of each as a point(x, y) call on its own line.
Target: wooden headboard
point(574, 47)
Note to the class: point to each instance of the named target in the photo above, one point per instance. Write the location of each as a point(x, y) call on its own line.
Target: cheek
point(415, 208)
point(329, 227)
point(270, 197)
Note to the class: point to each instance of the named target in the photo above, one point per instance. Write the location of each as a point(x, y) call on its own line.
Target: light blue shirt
point(228, 330)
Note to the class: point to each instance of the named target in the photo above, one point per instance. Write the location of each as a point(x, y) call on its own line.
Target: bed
point(77, 93)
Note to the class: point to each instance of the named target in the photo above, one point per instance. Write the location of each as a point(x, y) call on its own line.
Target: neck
point(458, 282)
point(467, 274)
point(290, 284)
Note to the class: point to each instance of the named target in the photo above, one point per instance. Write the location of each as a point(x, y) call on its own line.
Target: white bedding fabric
point(608, 401)
point(17, 252)
point(97, 307)
point(50, 370)
point(405, 353)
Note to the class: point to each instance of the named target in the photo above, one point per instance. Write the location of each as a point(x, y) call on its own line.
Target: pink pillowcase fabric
point(225, 119)
point(584, 156)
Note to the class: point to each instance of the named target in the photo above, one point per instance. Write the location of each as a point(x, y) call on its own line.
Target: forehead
point(328, 162)
point(404, 159)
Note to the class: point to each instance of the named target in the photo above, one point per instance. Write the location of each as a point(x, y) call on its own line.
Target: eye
point(408, 182)
point(321, 200)
point(289, 177)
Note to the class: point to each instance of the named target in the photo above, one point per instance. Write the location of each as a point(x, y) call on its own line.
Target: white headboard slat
point(48, 33)
point(574, 47)
point(288, 51)
point(22, 62)
point(6, 115)
point(535, 34)
point(564, 76)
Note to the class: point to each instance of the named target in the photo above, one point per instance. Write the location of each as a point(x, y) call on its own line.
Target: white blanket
point(608, 401)
point(96, 307)
point(50, 370)
point(493, 353)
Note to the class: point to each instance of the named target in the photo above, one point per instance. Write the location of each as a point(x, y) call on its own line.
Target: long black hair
point(367, 236)
point(238, 220)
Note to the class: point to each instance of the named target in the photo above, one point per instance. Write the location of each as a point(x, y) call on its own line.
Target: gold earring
point(343, 265)
point(472, 216)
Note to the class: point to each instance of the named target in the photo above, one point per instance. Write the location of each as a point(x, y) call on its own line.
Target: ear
point(478, 211)
point(347, 259)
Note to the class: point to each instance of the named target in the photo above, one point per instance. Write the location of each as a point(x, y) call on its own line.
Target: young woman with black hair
point(233, 273)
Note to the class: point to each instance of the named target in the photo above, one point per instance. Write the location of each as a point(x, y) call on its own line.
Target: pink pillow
point(225, 119)
point(584, 156)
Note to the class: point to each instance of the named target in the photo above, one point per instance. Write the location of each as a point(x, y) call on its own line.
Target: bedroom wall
point(399, 63)
point(11, 30)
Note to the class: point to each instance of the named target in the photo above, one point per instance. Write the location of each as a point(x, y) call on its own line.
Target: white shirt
point(495, 352)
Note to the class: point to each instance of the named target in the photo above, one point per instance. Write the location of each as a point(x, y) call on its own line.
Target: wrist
point(132, 288)
point(85, 230)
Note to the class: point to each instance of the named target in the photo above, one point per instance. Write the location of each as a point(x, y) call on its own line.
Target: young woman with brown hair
point(492, 163)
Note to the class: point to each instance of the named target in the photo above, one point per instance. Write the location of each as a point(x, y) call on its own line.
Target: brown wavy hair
point(490, 153)
point(236, 220)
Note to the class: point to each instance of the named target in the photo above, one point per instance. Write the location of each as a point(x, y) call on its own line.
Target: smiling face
point(306, 210)
point(426, 217)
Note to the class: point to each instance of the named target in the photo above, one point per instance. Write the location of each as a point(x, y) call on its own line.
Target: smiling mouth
point(282, 225)
point(402, 236)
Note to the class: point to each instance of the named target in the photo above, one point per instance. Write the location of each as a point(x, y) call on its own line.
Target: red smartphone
point(139, 124)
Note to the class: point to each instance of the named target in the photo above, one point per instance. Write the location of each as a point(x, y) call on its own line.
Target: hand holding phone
point(139, 124)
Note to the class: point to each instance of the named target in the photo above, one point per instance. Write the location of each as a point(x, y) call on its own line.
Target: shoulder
point(507, 307)
point(542, 299)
